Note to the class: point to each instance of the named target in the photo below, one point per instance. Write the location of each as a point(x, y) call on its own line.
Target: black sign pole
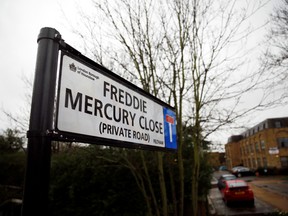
point(36, 188)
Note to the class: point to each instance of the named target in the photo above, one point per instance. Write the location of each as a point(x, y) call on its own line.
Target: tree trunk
point(162, 184)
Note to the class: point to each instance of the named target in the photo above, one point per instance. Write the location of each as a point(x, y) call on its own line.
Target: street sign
point(93, 106)
point(101, 106)
point(273, 150)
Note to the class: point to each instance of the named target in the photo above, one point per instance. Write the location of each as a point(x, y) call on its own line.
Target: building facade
point(216, 159)
point(265, 145)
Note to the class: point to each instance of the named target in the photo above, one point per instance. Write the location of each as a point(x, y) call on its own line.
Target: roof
point(267, 123)
point(236, 183)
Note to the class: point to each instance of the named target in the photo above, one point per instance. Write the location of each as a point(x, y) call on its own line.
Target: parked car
point(224, 177)
point(241, 171)
point(237, 191)
point(222, 168)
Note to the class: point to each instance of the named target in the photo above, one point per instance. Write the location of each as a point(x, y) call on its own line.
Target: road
point(271, 195)
point(272, 190)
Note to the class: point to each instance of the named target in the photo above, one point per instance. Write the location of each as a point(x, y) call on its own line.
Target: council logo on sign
point(72, 67)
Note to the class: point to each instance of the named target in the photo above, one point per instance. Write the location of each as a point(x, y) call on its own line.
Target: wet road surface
point(271, 195)
point(273, 190)
point(238, 209)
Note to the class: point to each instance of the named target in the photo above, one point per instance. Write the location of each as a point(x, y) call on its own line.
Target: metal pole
point(36, 188)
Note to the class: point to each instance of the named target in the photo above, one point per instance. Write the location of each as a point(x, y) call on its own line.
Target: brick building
point(216, 159)
point(265, 145)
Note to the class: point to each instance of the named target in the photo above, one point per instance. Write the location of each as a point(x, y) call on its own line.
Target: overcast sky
point(20, 23)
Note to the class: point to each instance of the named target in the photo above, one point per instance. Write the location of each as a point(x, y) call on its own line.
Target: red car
point(237, 191)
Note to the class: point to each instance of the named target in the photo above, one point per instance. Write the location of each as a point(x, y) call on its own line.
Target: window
point(250, 162)
point(261, 127)
point(253, 163)
point(259, 162)
point(262, 143)
point(264, 162)
point(257, 147)
point(284, 162)
point(282, 142)
point(251, 147)
point(278, 124)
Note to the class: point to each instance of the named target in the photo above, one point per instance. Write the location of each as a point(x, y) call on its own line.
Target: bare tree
point(205, 77)
point(20, 120)
point(278, 35)
point(275, 58)
point(188, 53)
